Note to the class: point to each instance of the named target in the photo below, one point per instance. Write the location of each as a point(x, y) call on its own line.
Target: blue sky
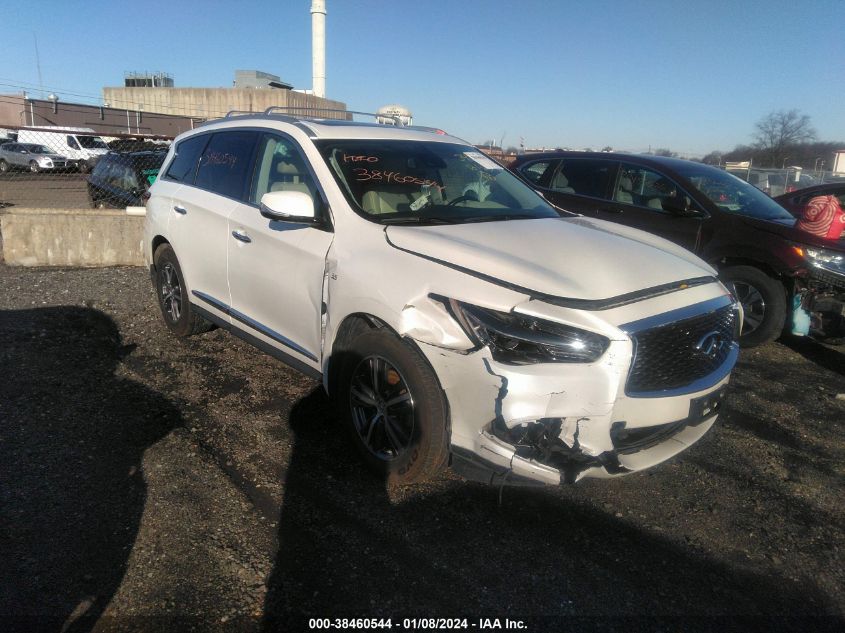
point(692, 77)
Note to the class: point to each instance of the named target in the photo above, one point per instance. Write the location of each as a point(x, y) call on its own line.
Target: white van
point(8, 136)
point(80, 145)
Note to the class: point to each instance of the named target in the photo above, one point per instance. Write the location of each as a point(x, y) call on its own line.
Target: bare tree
point(778, 130)
point(713, 158)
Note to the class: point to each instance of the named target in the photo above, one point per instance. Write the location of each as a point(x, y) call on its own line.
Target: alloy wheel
point(382, 407)
point(753, 306)
point(171, 292)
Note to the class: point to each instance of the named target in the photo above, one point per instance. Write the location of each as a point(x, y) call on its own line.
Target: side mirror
point(288, 206)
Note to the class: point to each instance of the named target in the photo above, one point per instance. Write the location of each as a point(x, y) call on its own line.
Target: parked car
point(80, 145)
point(736, 228)
point(795, 201)
point(773, 182)
point(123, 179)
point(445, 306)
point(29, 156)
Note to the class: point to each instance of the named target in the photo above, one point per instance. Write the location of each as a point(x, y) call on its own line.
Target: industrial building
point(22, 110)
point(253, 91)
point(150, 103)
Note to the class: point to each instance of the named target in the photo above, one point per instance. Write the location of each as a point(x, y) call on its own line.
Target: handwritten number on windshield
point(362, 174)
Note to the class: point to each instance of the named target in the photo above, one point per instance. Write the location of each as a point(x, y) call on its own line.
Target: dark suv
point(122, 179)
point(732, 225)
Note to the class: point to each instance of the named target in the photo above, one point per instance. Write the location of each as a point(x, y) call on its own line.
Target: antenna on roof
point(38, 65)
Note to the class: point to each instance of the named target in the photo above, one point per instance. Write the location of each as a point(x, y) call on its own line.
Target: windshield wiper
point(416, 219)
point(433, 219)
point(502, 218)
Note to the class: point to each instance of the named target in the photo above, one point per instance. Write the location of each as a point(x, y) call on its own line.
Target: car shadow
point(72, 488)
point(351, 547)
point(832, 360)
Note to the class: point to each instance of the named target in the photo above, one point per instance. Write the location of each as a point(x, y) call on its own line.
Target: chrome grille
point(678, 354)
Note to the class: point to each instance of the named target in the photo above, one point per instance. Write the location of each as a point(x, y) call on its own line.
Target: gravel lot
point(150, 483)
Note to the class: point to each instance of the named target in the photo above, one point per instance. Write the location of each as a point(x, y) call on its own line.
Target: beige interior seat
point(624, 193)
point(378, 202)
point(561, 183)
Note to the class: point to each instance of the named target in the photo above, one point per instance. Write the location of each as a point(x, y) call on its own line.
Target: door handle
point(241, 236)
point(180, 210)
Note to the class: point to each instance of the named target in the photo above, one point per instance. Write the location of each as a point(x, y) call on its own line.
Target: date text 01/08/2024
point(415, 624)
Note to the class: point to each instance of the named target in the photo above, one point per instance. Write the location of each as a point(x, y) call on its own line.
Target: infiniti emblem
point(711, 344)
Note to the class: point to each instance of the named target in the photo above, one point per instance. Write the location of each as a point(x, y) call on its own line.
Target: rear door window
point(584, 176)
point(184, 165)
point(534, 172)
point(225, 164)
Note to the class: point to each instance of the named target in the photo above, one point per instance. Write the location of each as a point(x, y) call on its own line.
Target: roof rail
point(320, 112)
point(237, 112)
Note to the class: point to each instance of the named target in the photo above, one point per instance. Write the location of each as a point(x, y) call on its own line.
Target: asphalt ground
point(65, 190)
point(149, 483)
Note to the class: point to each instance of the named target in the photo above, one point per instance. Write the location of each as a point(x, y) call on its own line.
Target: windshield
point(732, 194)
point(92, 142)
point(393, 182)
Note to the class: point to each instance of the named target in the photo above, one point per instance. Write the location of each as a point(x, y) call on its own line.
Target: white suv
point(453, 314)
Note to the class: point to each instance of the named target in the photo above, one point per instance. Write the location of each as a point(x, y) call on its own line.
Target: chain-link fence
point(74, 167)
point(55, 167)
point(776, 182)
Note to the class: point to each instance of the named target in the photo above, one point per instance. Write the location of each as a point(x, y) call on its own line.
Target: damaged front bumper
point(560, 423)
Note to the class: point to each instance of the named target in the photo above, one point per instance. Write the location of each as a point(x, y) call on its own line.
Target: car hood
point(786, 228)
point(576, 258)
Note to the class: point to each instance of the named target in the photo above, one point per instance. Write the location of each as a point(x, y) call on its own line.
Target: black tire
point(34, 167)
point(172, 295)
point(763, 301)
point(4, 166)
point(83, 167)
point(420, 417)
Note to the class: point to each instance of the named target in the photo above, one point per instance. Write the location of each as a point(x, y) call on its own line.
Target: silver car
point(29, 156)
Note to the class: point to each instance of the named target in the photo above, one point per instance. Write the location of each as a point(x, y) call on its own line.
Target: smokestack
point(318, 46)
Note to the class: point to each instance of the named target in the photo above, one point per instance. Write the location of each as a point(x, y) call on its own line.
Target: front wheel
point(34, 167)
point(763, 302)
point(4, 166)
point(394, 408)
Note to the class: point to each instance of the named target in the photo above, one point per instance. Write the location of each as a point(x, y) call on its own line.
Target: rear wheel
point(171, 292)
point(4, 166)
point(394, 408)
point(763, 302)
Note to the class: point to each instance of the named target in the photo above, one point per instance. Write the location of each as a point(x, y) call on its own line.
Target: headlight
point(517, 339)
point(831, 260)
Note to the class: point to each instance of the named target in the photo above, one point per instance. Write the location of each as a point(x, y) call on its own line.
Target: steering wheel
point(455, 201)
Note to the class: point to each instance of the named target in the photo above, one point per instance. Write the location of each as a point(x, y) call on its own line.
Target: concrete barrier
point(70, 237)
